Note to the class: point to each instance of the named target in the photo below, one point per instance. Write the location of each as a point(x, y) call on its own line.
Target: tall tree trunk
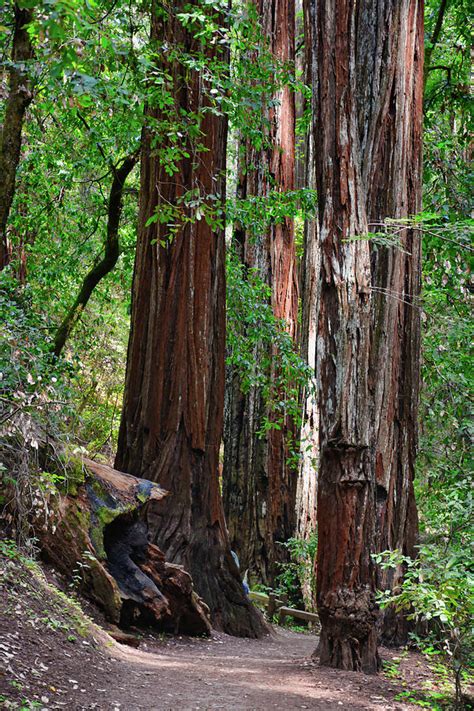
point(393, 177)
point(259, 484)
point(18, 99)
point(306, 492)
point(369, 74)
point(346, 486)
point(172, 417)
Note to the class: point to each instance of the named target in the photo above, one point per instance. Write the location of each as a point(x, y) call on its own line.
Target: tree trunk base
point(349, 653)
point(215, 574)
point(393, 628)
point(348, 632)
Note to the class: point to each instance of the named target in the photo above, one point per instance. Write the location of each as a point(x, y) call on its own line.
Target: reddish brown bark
point(369, 74)
point(18, 99)
point(346, 487)
point(172, 416)
point(259, 485)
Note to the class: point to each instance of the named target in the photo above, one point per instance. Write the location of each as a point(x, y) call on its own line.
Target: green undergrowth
point(436, 693)
point(24, 578)
point(36, 617)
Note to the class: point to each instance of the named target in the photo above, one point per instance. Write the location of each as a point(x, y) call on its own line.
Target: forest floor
point(53, 657)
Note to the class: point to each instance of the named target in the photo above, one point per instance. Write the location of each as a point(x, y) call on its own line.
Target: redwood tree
point(369, 59)
point(172, 417)
point(393, 178)
point(259, 484)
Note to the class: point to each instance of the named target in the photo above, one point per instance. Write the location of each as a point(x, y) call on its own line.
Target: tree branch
point(105, 265)
point(433, 41)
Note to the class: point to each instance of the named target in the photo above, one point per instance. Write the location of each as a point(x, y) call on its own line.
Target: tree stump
point(97, 536)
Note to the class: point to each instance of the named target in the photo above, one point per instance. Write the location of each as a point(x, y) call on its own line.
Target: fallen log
point(96, 535)
point(274, 605)
point(299, 615)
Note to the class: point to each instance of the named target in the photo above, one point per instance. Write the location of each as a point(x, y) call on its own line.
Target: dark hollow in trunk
point(126, 547)
point(97, 529)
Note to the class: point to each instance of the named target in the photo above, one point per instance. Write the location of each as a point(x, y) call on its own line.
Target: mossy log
point(98, 538)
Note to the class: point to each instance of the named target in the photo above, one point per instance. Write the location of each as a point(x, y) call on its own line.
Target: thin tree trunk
point(172, 415)
point(104, 265)
point(369, 123)
point(306, 494)
point(259, 484)
point(301, 68)
point(20, 242)
point(435, 35)
point(18, 99)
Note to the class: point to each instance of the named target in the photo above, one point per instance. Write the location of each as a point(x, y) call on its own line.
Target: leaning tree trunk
point(369, 119)
point(172, 417)
point(18, 99)
point(105, 264)
point(259, 483)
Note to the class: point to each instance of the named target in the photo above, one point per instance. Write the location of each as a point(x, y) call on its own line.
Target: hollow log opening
point(126, 544)
point(100, 537)
point(154, 593)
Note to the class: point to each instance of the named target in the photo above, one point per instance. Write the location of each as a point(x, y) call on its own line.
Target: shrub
point(34, 406)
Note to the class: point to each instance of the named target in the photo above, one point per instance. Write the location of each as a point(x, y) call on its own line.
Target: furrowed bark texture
point(393, 176)
point(259, 484)
point(369, 75)
point(18, 99)
point(172, 416)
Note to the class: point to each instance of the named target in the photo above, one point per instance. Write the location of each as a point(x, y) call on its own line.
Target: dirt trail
point(52, 657)
point(228, 673)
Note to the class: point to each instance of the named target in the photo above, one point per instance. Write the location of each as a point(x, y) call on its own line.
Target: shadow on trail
point(228, 673)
